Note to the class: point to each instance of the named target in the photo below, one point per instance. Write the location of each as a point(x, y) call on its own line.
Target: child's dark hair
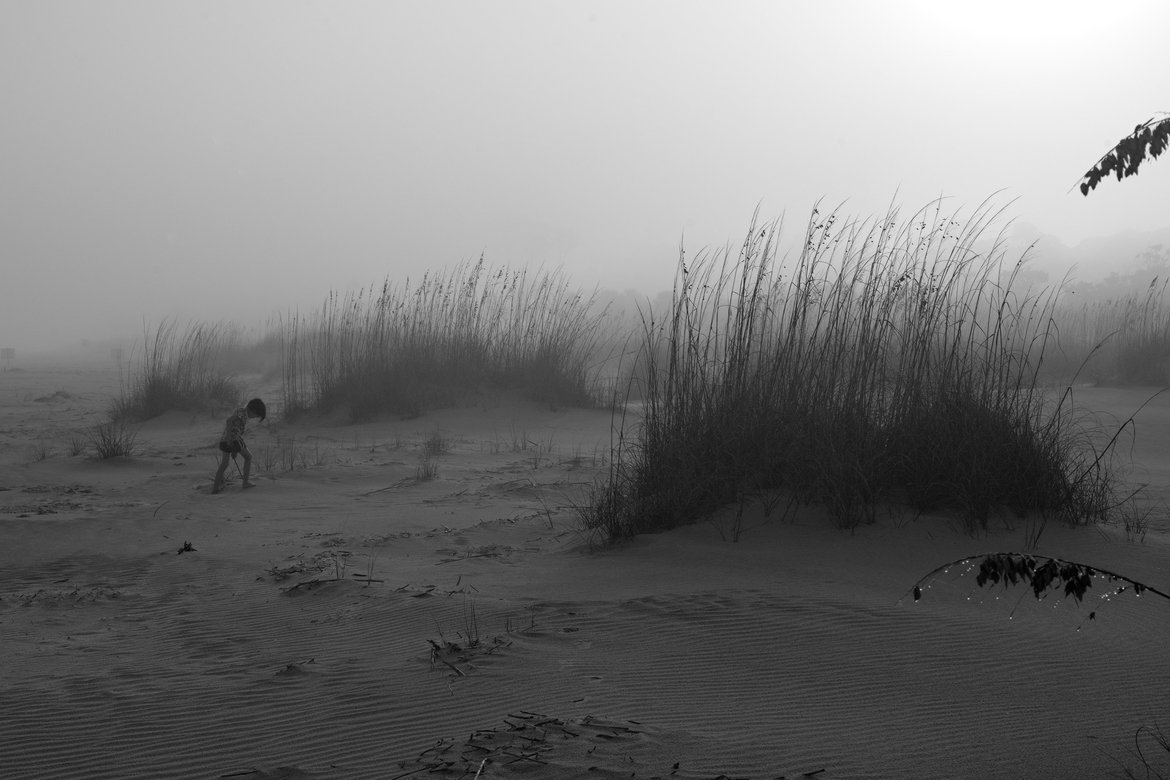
point(256, 406)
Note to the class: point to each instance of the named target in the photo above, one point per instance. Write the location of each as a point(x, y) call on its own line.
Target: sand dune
point(344, 620)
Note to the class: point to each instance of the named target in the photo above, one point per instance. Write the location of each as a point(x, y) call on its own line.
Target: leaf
point(1125, 159)
point(1074, 579)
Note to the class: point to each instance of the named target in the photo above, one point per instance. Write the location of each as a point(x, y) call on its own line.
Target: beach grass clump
point(889, 361)
point(406, 348)
point(180, 370)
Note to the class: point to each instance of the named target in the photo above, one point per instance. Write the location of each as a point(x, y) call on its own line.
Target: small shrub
point(467, 644)
point(113, 439)
point(1135, 519)
point(77, 443)
point(436, 444)
point(427, 468)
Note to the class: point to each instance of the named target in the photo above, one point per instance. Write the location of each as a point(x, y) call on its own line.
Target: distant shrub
point(403, 349)
point(890, 361)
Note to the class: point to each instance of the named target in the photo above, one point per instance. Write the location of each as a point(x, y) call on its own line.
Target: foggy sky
point(231, 160)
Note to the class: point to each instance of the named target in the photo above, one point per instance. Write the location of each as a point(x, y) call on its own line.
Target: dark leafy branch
point(1150, 137)
point(1042, 574)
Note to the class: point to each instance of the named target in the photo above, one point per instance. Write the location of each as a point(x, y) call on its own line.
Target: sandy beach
point(646, 390)
point(359, 616)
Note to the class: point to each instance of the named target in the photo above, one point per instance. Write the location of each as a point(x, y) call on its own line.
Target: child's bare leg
point(223, 461)
point(247, 466)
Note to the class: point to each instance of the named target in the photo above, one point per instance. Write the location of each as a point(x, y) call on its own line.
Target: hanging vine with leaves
point(1042, 574)
point(1124, 159)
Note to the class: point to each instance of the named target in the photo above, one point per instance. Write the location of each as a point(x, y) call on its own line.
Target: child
point(232, 441)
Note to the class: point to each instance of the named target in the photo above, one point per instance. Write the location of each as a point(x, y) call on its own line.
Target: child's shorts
point(232, 449)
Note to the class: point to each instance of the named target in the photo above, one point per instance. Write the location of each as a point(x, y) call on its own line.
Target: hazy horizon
point(228, 161)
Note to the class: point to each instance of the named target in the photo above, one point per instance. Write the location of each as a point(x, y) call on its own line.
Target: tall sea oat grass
point(180, 371)
point(403, 349)
point(890, 361)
